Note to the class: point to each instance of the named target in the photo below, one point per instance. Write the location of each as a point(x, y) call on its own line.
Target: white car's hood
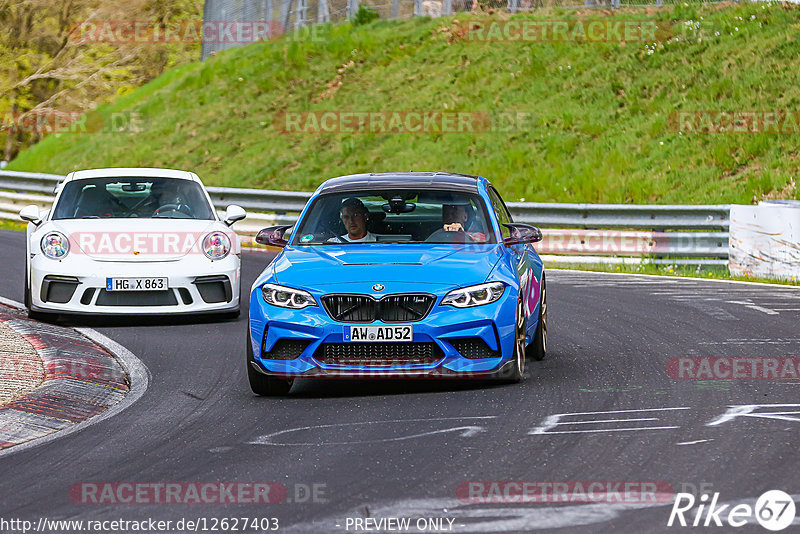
point(136, 240)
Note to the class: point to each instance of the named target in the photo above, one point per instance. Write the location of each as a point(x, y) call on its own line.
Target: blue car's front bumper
point(445, 326)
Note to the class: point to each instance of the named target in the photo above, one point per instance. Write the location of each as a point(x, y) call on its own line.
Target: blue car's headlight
point(287, 297)
point(474, 295)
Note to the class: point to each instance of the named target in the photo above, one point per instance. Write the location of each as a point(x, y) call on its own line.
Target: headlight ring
point(55, 245)
point(478, 295)
point(216, 245)
point(287, 297)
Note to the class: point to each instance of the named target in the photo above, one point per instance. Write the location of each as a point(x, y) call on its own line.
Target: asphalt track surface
point(402, 448)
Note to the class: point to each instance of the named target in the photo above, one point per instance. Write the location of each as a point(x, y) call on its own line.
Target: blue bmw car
point(394, 275)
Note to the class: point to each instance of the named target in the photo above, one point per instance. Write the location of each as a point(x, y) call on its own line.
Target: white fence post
point(300, 13)
point(352, 8)
point(323, 14)
point(286, 6)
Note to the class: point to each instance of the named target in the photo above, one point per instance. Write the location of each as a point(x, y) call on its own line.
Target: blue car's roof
point(388, 180)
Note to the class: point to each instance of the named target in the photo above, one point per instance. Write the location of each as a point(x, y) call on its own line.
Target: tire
point(27, 297)
point(518, 368)
point(225, 316)
point(538, 348)
point(261, 384)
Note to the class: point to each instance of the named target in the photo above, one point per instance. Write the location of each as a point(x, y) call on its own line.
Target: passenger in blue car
point(354, 215)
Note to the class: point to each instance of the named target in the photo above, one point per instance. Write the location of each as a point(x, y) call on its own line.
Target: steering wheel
point(331, 237)
point(329, 234)
point(458, 237)
point(180, 208)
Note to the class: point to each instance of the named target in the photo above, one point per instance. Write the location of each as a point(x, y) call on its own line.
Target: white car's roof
point(139, 172)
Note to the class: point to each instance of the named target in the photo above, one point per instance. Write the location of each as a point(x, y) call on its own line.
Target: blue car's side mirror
point(522, 234)
point(273, 235)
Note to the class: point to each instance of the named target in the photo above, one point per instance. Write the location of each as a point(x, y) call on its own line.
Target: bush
point(364, 15)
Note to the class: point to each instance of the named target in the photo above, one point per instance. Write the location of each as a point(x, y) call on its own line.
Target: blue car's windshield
point(396, 216)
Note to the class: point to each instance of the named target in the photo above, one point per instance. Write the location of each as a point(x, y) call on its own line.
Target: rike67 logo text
point(774, 510)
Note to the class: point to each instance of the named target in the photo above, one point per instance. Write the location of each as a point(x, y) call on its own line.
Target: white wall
point(765, 240)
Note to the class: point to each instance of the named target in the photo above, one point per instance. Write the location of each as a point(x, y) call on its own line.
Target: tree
point(48, 68)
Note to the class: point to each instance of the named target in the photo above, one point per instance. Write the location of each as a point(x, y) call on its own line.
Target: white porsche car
point(132, 241)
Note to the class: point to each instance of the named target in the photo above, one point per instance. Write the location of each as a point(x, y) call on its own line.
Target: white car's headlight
point(216, 245)
point(55, 245)
point(474, 295)
point(286, 297)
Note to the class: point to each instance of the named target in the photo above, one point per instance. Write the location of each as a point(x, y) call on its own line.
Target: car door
point(521, 256)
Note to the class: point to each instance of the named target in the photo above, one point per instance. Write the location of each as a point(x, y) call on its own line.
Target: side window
point(500, 211)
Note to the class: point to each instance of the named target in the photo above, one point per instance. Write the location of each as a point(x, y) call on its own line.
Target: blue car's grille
point(378, 353)
point(403, 308)
point(351, 308)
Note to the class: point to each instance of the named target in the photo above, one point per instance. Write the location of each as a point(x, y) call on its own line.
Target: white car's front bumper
point(78, 285)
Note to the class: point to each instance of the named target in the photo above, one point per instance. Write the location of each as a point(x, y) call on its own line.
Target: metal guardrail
point(644, 217)
point(29, 182)
point(604, 230)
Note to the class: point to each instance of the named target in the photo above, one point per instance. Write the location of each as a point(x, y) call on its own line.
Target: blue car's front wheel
point(518, 363)
point(261, 384)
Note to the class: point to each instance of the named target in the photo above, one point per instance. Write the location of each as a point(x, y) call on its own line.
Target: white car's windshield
point(131, 197)
point(396, 216)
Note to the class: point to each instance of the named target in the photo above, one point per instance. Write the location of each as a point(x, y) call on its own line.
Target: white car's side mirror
point(31, 214)
point(234, 213)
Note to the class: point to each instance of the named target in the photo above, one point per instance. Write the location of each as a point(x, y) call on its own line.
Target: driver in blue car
point(354, 215)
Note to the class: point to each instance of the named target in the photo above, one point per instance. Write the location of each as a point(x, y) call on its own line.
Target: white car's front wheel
point(27, 296)
point(28, 300)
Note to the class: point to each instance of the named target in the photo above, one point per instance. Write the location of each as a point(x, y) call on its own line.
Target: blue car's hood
point(313, 267)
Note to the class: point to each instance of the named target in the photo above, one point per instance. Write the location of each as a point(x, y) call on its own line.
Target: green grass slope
point(597, 122)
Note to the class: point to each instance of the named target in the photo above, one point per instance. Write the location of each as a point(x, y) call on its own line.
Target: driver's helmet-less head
point(456, 212)
point(166, 192)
